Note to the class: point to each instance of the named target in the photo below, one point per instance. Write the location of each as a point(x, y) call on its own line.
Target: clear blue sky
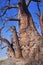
point(10, 13)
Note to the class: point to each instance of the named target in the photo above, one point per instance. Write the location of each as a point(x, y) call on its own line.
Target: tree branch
point(3, 47)
point(36, 0)
point(28, 2)
point(8, 43)
point(11, 19)
point(9, 7)
point(5, 8)
point(3, 13)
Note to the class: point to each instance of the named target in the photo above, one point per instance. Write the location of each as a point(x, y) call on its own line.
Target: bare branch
point(3, 26)
point(3, 47)
point(36, 0)
point(3, 13)
point(7, 8)
point(28, 2)
point(8, 43)
point(11, 19)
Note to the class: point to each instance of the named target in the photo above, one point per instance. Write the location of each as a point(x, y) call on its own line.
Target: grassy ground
point(4, 62)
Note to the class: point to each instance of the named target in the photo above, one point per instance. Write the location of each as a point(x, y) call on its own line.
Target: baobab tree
point(28, 47)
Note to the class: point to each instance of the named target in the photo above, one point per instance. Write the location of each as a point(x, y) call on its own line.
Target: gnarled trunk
point(25, 22)
point(29, 37)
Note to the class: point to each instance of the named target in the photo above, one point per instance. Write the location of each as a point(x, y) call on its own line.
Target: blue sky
point(10, 13)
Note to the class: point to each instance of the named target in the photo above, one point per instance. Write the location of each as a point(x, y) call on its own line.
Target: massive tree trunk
point(25, 22)
point(30, 40)
point(23, 15)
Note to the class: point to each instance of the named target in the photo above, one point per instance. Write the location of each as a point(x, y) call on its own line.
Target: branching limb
point(3, 26)
point(3, 13)
point(36, 0)
point(28, 2)
point(3, 47)
point(11, 19)
point(8, 43)
point(7, 8)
